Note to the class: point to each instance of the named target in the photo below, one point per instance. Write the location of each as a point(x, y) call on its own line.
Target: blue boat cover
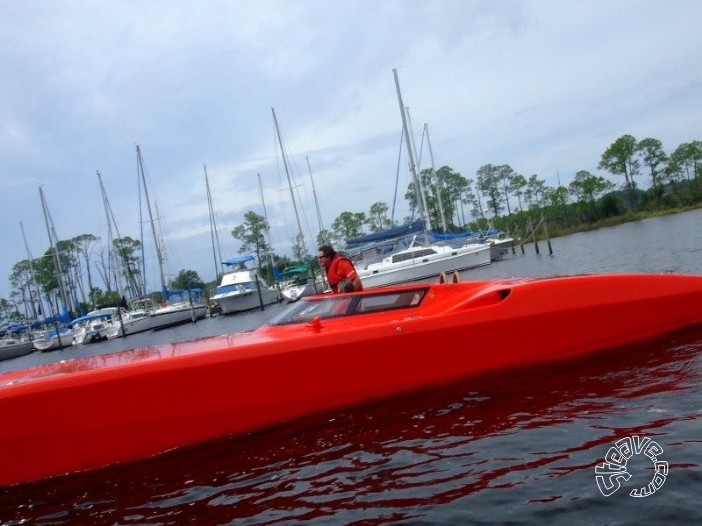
point(239, 260)
point(399, 231)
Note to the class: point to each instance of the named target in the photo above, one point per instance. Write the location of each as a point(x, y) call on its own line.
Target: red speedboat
point(322, 352)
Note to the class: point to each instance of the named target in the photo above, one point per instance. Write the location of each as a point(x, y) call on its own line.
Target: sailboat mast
point(437, 183)
point(422, 192)
point(413, 168)
point(34, 276)
point(53, 243)
point(213, 228)
point(113, 261)
point(159, 255)
point(314, 193)
point(268, 227)
point(287, 172)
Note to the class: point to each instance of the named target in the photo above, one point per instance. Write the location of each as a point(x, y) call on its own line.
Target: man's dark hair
point(327, 251)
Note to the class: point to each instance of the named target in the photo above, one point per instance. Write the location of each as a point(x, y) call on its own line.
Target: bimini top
point(239, 260)
point(92, 316)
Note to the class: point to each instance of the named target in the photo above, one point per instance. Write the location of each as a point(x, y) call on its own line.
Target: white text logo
point(610, 474)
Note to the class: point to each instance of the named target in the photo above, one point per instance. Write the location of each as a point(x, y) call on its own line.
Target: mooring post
point(509, 234)
point(521, 241)
point(548, 239)
point(258, 288)
point(533, 235)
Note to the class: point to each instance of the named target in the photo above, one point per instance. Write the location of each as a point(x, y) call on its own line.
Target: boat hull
point(178, 314)
point(50, 341)
point(130, 326)
point(422, 268)
point(240, 301)
point(67, 417)
point(293, 292)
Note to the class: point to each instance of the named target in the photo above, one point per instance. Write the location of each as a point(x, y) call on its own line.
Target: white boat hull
point(129, 326)
point(176, 314)
point(238, 301)
point(239, 291)
point(387, 273)
point(293, 293)
point(49, 342)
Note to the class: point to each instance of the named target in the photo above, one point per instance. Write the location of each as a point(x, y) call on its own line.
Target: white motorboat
point(93, 327)
point(423, 261)
point(242, 289)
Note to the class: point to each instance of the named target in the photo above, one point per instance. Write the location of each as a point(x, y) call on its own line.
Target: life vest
point(333, 276)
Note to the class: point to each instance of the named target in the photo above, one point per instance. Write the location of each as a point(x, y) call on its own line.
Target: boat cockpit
point(340, 305)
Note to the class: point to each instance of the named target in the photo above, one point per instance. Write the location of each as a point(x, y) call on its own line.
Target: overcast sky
point(544, 86)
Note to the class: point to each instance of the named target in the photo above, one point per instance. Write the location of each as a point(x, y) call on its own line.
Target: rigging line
point(397, 178)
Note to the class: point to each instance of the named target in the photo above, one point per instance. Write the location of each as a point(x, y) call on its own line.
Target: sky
point(543, 86)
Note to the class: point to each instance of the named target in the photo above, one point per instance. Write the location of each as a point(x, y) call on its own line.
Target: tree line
point(500, 197)
point(496, 197)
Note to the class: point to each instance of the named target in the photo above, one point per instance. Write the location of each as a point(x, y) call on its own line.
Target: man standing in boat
point(338, 268)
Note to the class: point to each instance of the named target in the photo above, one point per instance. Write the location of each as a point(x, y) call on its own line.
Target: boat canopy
point(404, 230)
point(291, 272)
point(181, 293)
point(90, 317)
point(480, 234)
point(13, 329)
point(340, 305)
point(61, 318)
point(238, 261)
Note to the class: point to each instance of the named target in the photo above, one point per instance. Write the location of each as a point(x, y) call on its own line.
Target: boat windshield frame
point(331, 306)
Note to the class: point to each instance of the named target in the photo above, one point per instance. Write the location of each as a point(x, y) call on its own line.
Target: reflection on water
point(519, 441)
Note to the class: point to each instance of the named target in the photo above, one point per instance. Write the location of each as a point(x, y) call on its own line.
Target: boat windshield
point(338, 305)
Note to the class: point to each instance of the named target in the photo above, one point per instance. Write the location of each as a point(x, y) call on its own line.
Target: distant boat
point(406, 254)
point(188, 305)
point(423, 261)
point(295, 288)
point(93, 326)
point(189, 308)
point(499, 243)
point(298, 281)
point(52, 339)
point(242, 289)
point(13, 347)
point(133, 320)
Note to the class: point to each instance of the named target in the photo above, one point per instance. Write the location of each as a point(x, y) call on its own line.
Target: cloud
point(545, 87)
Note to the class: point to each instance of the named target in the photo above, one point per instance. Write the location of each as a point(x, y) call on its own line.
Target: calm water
point(514, 446)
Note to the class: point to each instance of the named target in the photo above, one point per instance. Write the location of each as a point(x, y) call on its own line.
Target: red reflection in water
point(389, 461)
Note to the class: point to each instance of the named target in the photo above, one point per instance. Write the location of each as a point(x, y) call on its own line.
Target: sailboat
point(187, 307)
point(294, 284)
point(420, 259)
point(242, 289)
point(56, 335)
point(123, 321)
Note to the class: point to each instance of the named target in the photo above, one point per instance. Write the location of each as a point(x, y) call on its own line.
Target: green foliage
point(349, 224)
point(377, 217)
point(620, 159)
point(127, 251)
point(186, 280)
point(252, 234)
